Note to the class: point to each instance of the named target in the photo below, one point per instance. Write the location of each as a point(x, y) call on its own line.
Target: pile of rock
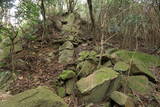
point(122, 76)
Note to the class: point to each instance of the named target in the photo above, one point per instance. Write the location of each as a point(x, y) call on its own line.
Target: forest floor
point(42, 69)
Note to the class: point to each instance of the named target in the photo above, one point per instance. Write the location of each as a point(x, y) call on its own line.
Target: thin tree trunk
point(43, 12)
point(91, 13)
point(12, 56)
point(71, 3)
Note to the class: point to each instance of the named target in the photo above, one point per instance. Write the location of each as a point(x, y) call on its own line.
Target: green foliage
point(28, 10)
point(87, 55)
point(9, 31)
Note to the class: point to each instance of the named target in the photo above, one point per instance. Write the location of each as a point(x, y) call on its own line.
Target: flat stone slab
point(99, 77)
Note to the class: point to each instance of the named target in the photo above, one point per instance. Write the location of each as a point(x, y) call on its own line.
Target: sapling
point(10, 32)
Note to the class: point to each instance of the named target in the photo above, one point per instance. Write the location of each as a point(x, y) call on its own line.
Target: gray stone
point(96, 84)
point(39, 97)
point(122, 99)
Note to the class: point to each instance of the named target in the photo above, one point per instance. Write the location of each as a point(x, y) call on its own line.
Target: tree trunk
point(70, 4)
point(43, 12)
point(91, 13)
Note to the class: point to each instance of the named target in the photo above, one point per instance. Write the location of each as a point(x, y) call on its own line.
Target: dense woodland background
point(129, 21)
point(32, 29)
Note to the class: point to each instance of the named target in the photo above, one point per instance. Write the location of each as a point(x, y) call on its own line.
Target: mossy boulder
point(39, 97)
point(61, 91)
point(66, 45)
point(66, 56)
point(69, 38)
point(148, 60)
point(114, 85)
point(70, 86)
point(142, 61)
point(122, 99)
point(85, 68)
point(72, 23)
point(66, 52)
point(67, 74)
point(121, 66)
point(72, 28)
point(139, 84)
point(138, 67)
point(94, 87)
point(88, 55)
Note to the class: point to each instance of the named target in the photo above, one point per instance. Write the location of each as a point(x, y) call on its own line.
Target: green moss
point(67, 74)
point(140, 61)
point(138, 67)
point(84, 55)
point(97, 94)
point(149, 60)
point(97, 78)
point(121, 66)
point(139, 84)
point(122, 99)
point(86, 68)
point(61, 91)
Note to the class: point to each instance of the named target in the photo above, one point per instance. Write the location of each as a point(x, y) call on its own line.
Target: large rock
point(61, 91)
point(85, 68)
point(39, 97)
point(94, 86)
point(66, 56)
point(140, 61)
point(67, 74)
point(139, 84)
point(138, 67)
point(122, 99)
point(66, 53)
point(148, 60)
point(88, 55)
point(70, 86)
point(114, 85)
point(72, 23)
